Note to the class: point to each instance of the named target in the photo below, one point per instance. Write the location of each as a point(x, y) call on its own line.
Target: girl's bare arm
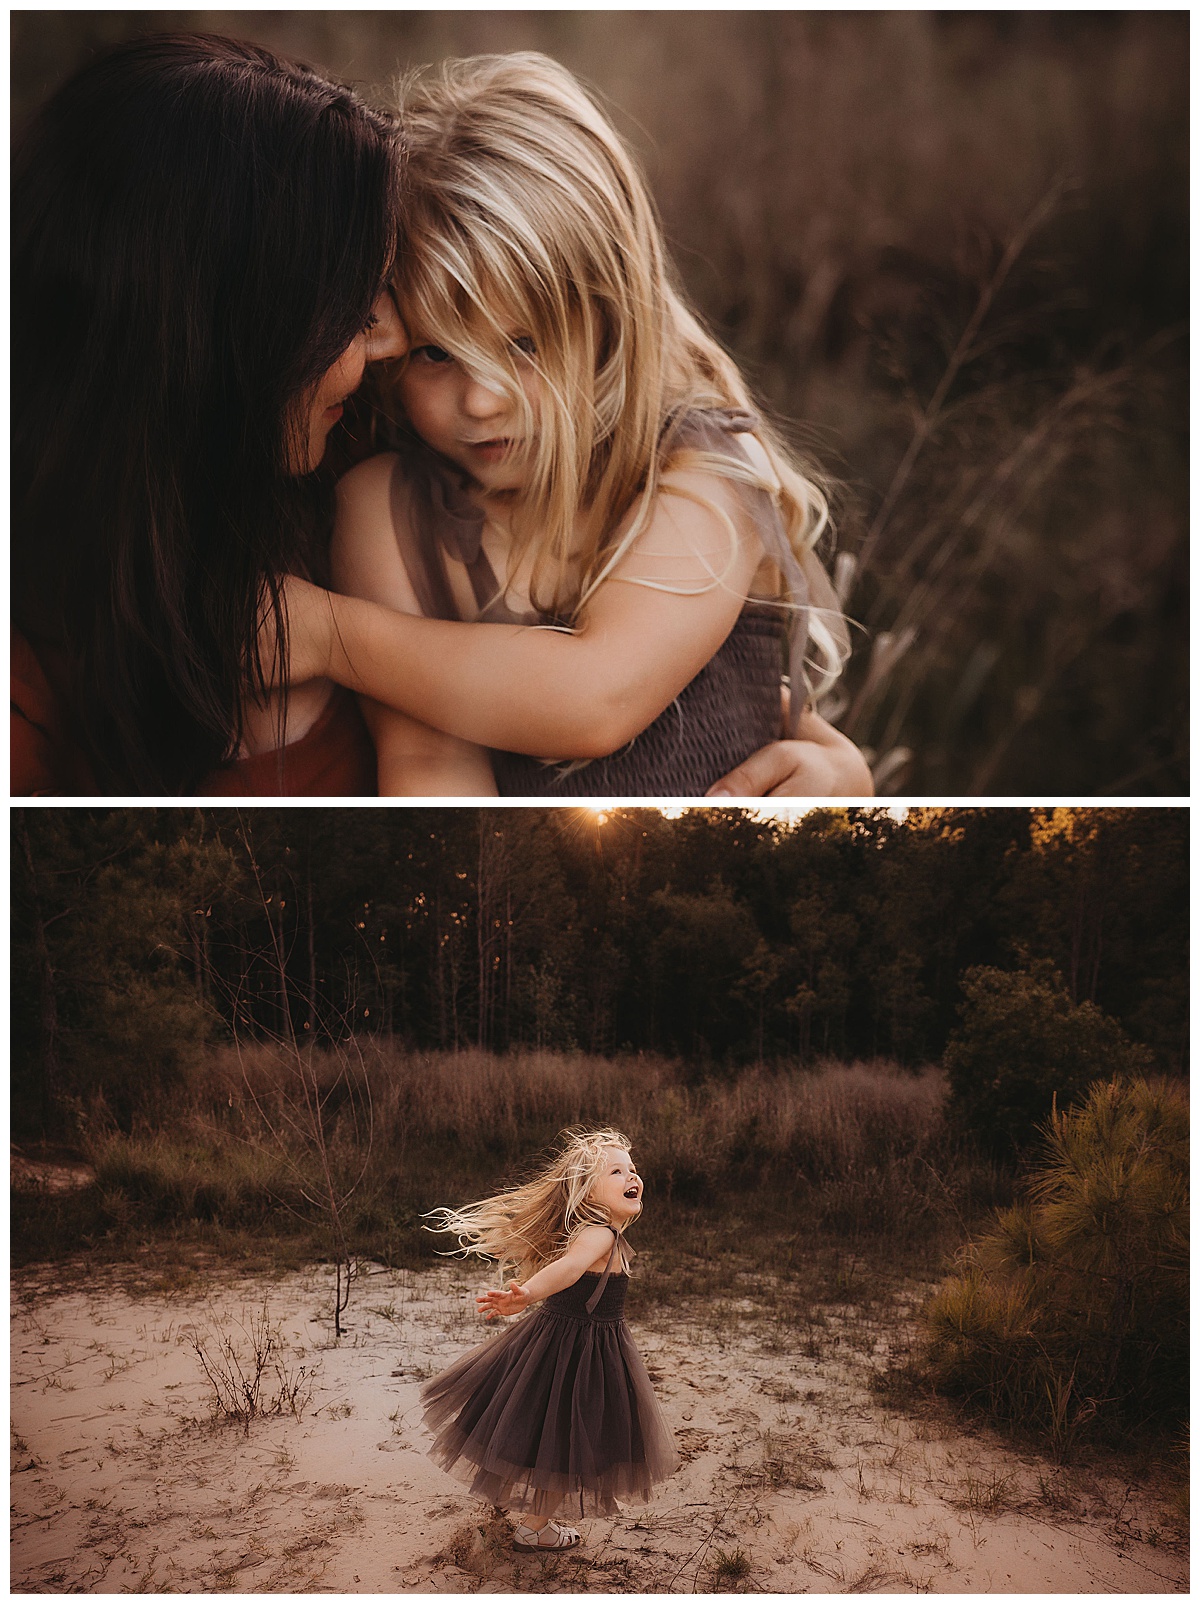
point(555, 1277)
point(541, 691)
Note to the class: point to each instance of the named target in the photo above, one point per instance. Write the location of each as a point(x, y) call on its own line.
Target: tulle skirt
point(558, 1411)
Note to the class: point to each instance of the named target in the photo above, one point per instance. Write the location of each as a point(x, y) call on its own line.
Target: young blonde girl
point(559, 1408)
point(574, 453)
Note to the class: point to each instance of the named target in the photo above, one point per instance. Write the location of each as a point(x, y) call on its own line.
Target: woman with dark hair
point(201, 235)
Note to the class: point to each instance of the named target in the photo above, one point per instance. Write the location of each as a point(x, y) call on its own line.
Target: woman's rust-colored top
point(728, 711)
point(334, 758)
point(45, 755)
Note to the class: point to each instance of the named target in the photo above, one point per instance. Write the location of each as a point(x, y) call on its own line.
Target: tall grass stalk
point(931, 414)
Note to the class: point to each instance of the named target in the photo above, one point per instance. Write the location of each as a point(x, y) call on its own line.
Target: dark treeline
point(715, 937)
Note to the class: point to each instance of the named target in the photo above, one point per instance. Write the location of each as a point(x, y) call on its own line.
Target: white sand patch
point(795, 1479)
point(43, 1175)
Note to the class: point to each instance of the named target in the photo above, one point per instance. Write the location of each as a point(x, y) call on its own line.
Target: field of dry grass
point(864, 1153)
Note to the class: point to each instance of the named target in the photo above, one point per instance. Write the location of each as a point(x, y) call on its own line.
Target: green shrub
point(1022, 1047)
point(1071, 1314)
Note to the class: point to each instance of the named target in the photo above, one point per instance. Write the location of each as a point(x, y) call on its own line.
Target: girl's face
point(383, 338)
point(463, 418)
point(618, 1187)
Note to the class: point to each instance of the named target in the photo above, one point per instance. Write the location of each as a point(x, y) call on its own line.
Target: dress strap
point(433, 518)
point(591, 1303)
point(412, 517)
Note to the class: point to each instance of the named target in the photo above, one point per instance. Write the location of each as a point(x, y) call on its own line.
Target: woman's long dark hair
point(199, 231)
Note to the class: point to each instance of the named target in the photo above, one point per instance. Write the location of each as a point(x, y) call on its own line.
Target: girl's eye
point(434, 354)
point(371, 323)
point(526, 345)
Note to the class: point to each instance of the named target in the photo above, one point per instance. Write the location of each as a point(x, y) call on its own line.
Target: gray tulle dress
point(728, 711)
point(557, 1412)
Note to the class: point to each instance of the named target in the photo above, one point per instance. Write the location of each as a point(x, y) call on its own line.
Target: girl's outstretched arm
point(542, 691)
point(563, 1272)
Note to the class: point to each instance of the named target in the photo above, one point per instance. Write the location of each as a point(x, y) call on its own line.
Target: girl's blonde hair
point(525, 215)
point(529, 1225)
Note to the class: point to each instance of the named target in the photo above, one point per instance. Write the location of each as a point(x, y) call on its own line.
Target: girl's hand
point(310, 631)
point(820, 762)
point(510, 1302)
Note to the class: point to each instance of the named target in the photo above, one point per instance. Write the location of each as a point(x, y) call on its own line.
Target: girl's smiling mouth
point(490, 450)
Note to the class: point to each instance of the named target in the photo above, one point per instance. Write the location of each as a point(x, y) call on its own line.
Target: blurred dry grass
point(862, 1154)
point(759, 1128)
point(951, 249)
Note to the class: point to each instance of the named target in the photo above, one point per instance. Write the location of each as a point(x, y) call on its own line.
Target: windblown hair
point(532, 1224)
point(199, 230)
point(524, 210)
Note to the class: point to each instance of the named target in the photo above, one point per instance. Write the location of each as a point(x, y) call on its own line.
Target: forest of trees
point(716, 937)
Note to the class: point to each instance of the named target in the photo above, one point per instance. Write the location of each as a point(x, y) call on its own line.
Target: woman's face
point(383, 338)
point(618, 1187)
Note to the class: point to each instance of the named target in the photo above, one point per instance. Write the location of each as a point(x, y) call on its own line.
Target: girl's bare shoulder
point(589, 1241)
point(364, 556)
point(717, 443)
point(596, 1244)
point(367, 484)
point(593, 1236)
point(709, 483)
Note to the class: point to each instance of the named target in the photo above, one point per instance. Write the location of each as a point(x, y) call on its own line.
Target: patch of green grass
point(729, 1565)
point(986, 1495)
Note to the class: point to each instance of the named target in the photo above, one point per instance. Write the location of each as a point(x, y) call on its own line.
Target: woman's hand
point(311, 632)
point(821, 761)
point(510, 1302)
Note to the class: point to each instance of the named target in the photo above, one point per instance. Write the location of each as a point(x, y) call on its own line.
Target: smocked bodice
point(725, 713)
point(572, 1301)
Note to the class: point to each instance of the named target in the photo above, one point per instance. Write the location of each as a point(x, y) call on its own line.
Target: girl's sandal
point(561, 1536)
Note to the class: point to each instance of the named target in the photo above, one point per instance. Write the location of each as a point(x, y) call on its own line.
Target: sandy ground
point(39, 1174)
point(795, 1479)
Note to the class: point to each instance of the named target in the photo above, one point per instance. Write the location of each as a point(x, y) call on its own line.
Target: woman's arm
point(541, 691)
point(555, 1277)
point(413, 759)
